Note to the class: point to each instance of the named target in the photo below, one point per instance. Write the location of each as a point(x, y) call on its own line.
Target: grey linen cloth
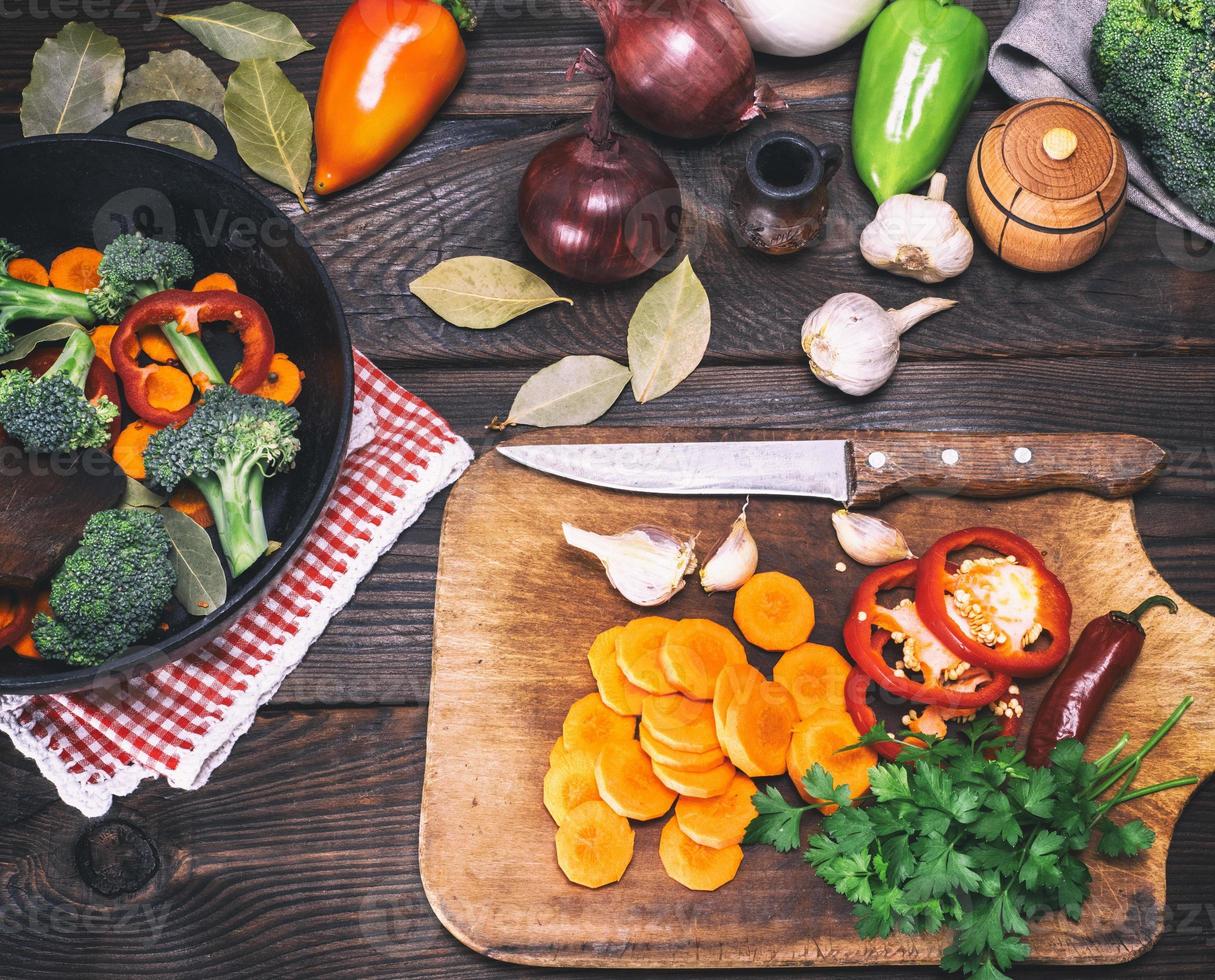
point(1044, 51)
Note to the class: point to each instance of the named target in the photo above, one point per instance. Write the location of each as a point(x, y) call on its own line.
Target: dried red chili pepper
point(972, 630)
point(189, 310)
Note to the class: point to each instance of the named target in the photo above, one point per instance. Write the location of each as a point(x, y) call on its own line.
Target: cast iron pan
point(86, 189)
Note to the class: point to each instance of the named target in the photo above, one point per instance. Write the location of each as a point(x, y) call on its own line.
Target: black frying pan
point(60, 191)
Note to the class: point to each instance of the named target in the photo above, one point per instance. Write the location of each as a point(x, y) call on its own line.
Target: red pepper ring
point(16, 614)
point(866, 641)
point(856, 692)
point(189, 310)
point(1054, 611)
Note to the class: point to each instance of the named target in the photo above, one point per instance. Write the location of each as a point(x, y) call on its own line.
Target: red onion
point(683, 68)
point(599, 207)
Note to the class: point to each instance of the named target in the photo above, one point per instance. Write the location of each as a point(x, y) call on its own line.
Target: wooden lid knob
point(1059, 149)
point(1059, 143)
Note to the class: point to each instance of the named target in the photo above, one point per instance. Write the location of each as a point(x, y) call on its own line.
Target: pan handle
point(225, 149)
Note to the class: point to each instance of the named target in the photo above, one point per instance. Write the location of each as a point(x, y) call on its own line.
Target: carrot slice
point(700, 868)
point(128, 449)
point(719, 821)
point(557, 752)
point(734, 679)
point(617, 691)
point(774, 611)
point(637, 650)
point(758, 728)
point(28, 270)
point(680, 722)
point(594, 845)
point(590, 724)
point(818, 739)
point(76, 269)
point(701, 785)
point(284, 382)
point(694, 653)
point(103, 336)
point(674, 759)
point(569, 783)
point(189, 500)
point(217, 280)
point(156, 345)
point(815, 675)
point(626, 782)
point(168, 388)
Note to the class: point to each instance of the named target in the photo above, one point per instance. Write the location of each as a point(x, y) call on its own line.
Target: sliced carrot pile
point(815, 675)
point(155, 344)
point(617, 691)
point(674, 759)
point(818, 739)
point(694, 653)
point(590, 724)
point(734, 680)
point(28, 270)
point(701, 785)
point(76, 269)
point(719, 821)
point(103, 336)
point(700, 868)
point(188, 500)
point(569, 782)
point(216, 280)
point(637, 650)
point(679, 722)
point(168, 388)
point(284, 382)
point(759, 725)
point(774, 611)
point(626, 782)
point(594, 845)
point(128, 450)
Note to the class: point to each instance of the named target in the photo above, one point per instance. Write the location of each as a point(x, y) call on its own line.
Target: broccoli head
point(6, 340)
point(1154, 61)
point(227, 448)
point(51, 414)
point(111, 591)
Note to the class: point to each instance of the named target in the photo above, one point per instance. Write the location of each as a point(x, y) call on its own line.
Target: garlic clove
point(733, 561)
point(919, 237)
point(646, 565)
point(869, 540)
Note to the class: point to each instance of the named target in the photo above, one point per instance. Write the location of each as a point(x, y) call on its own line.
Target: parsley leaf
point(1126, 840)
point(778, 823)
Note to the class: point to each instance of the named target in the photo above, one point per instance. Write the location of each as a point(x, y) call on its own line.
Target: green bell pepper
point(921, 67)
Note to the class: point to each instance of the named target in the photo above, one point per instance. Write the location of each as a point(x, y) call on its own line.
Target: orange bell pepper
point(390, 66)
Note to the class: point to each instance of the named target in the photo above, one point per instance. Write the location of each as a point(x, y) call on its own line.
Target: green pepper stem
point(465, 19)
point(1139, 610)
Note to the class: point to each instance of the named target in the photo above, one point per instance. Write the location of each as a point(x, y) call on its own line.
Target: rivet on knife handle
point(889, 464)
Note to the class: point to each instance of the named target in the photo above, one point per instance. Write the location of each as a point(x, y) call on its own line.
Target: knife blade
point(866, 469)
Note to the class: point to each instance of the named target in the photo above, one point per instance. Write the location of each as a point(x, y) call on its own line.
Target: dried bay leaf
point(479, 292)
point(669, 333)
point(23, 345)
point(239, 32)
point(268, 118)
point(181, 76)
point(137, 495)
point(574, 391)
point(74, 82)
point(202, 586)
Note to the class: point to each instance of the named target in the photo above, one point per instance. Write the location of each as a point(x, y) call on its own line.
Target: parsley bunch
point(962, 832)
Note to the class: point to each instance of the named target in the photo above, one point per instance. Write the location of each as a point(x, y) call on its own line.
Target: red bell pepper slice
point(938, 585)
point(99, 382)
point(189, 310)
point(868, 629)
point(16, 614)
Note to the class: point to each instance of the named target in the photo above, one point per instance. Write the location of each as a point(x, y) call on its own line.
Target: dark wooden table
point(300, 856)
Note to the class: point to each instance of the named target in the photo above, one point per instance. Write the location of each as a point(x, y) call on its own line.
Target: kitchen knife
point(860, 469)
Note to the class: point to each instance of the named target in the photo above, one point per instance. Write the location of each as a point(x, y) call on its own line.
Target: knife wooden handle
point(890, 464)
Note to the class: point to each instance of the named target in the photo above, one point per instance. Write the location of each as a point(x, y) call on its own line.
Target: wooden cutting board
point(515, 612)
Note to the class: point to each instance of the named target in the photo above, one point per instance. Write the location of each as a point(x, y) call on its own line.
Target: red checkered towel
point(182, 720)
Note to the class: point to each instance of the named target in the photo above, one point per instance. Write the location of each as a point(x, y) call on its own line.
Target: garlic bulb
point(646, 565)
point(853, 344)
point(869, 540)
point(733, 561)
point(920, 237)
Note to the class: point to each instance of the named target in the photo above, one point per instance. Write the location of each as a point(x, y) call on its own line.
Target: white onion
point(797, 28)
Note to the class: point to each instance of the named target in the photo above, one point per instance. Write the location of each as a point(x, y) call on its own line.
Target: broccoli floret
point(51, 414)
point(6, 340)
point(111, 591)
point(1157, 79)
point(227, 448)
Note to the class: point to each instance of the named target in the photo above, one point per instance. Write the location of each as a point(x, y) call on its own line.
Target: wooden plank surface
point(1123, 343)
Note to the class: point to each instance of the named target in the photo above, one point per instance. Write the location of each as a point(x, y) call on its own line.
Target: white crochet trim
point(196, 766)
